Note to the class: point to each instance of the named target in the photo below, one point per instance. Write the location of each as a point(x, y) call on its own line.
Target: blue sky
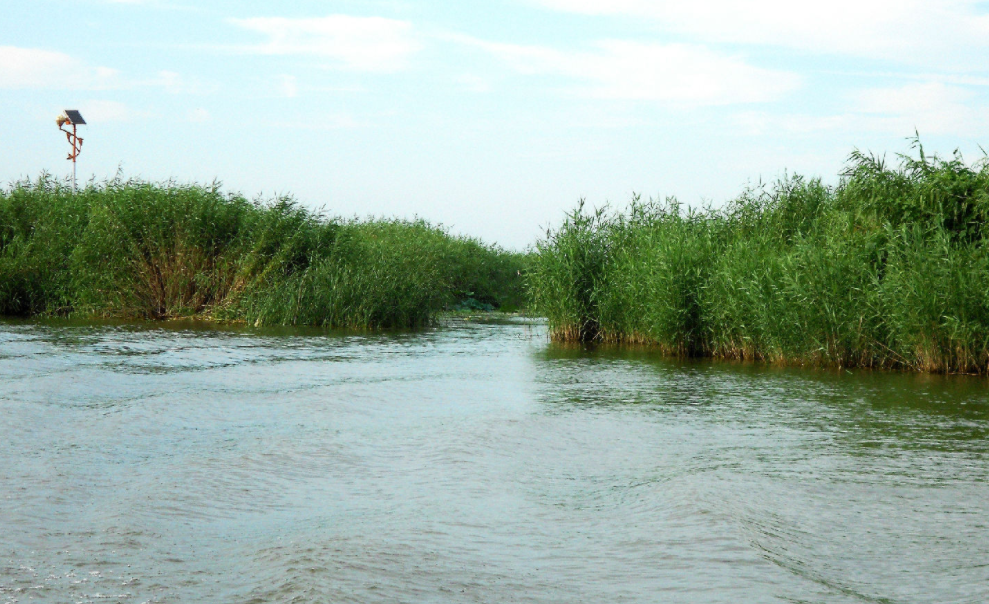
point(493, 118)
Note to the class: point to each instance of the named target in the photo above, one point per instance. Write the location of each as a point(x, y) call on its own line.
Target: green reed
point(159, 251)
point(887, 269)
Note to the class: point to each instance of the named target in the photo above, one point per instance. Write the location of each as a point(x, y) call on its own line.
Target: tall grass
point(887, 269)
point(158, 251)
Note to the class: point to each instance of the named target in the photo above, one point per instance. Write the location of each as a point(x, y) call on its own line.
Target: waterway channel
point(474, 462)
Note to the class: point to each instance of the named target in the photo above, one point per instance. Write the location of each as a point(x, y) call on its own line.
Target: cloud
point(103, 111)
point(25, 68)
point(759, 123)
point(198, 116)
point(675, 73)
point(288, 86)
point(356, 43)
point(951, 33)
point(174, 83)
point(325, 122)
point(474, 83)
point(932, 108)
point(35, 68)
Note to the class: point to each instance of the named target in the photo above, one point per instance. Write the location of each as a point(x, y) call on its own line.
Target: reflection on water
point(473, 463)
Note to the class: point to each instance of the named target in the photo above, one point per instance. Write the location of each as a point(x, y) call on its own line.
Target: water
point(474, 463)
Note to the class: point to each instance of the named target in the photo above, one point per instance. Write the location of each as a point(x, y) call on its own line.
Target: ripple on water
point(473, 463)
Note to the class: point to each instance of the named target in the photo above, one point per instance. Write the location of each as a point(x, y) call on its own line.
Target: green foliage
point(142, 250)
point(936, 298)
point(888, 269)
point(39, 225)
point(489, 275)
point(567, 271)
point(378, 274)
point(650, 287)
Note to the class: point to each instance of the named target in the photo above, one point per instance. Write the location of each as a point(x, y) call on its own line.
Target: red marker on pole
point(73, 118)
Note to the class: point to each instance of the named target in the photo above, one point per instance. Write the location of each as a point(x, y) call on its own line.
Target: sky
point(493, 118)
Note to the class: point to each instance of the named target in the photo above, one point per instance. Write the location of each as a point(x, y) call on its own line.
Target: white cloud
point(675, 73)
point(288, 86)
point(173, 83)
point(198, 116)
point(949, 33)
point(760, 123)
point(932, 108)
point(474, 83)
point(22, 68)
point(35, 68)
point(357, 43)
point(324, 122)
point(103, 111)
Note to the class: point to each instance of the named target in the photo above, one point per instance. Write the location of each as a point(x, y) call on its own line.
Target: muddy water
point(473, 463)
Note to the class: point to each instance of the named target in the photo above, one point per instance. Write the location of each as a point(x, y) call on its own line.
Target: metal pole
point(74, 154)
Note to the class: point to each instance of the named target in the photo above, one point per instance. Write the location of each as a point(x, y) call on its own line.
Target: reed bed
point(887, 269)
point(134, 249)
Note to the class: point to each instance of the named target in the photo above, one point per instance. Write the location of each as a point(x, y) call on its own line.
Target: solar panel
point(74, 117)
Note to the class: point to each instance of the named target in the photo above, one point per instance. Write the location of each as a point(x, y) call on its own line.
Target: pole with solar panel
point(72, 118)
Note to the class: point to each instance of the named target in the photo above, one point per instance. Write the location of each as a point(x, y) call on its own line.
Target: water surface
point(475, 462)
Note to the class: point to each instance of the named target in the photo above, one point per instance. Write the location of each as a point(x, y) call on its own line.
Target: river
point(474, 462)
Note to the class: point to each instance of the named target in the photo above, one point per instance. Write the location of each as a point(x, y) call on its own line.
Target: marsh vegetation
point(887, 269)
point(136, 249)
